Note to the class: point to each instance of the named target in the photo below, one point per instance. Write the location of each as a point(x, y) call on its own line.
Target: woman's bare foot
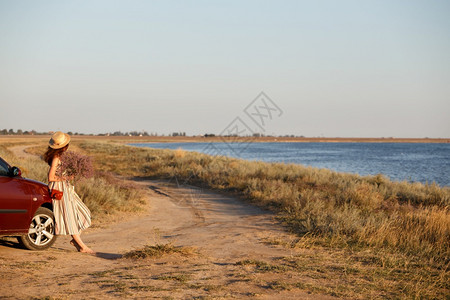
point(78, 243)
point(87, 250)
point(75, 244)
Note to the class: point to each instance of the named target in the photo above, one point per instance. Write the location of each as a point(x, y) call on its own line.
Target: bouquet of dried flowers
point(75, 165)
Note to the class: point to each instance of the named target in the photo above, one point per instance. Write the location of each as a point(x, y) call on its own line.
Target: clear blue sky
point(335, 68)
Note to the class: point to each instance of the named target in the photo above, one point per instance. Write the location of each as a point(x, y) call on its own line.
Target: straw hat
point(59, 140)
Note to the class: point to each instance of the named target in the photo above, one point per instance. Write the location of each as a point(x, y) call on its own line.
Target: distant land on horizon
point(200, 139)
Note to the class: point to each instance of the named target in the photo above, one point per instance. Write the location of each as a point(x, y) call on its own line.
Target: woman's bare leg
point(75, 244)
point(81, 246)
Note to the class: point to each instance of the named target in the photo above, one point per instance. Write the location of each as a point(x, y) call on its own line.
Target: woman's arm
point(52, 172)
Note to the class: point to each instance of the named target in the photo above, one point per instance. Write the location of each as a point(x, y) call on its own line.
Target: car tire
point(41, 234)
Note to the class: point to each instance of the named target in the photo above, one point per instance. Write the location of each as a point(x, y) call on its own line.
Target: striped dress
point(71, 214)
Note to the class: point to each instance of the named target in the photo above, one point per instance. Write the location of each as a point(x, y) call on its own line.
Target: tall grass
point(104, 194)
point(31, 167)
point(408, 218)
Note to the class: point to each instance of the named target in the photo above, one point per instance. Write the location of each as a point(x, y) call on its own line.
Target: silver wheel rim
point(42, 230)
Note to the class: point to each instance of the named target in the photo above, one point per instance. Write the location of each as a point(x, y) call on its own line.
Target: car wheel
point(41, 234)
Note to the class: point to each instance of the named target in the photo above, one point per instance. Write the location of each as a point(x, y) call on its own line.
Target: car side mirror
point(15, 172)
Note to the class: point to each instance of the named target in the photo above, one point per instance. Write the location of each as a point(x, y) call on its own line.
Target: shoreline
point(389, 176)
point(218, 139)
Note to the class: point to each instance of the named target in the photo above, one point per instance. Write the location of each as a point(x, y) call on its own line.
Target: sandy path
point(20, 152)
point(233, 259)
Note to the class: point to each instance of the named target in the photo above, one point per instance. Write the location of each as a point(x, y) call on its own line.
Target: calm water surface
point(425, 162)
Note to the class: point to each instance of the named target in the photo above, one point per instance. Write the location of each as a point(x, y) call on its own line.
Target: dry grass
point(104, 196)
point(327, 209)
point(31, 167)
point(365, 210)
point(159, 250)
point(262, 266)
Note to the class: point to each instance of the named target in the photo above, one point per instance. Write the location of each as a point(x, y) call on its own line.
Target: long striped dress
point(71, 214)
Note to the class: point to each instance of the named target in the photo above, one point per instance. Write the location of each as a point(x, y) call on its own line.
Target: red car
point(25, 209)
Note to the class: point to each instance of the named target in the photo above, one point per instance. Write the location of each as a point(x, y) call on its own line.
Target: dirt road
point(232, 256)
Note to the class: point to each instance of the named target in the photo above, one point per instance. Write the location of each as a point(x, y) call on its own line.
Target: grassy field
point(385, 231)
point(406, 226)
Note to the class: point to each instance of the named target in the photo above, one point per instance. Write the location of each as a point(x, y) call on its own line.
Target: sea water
point(422, 162)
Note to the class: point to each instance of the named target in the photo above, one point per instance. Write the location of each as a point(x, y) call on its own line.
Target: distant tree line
point(33, 132)
point(178, 134)
point(20, 132)
point(132, 133)
point(116, 133)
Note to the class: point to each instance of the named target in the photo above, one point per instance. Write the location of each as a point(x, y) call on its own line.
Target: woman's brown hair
point(51, 153)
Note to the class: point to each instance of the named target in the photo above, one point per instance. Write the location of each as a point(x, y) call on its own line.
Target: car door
point(15, 202)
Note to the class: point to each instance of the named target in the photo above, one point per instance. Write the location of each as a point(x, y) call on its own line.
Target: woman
point(71, 214)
